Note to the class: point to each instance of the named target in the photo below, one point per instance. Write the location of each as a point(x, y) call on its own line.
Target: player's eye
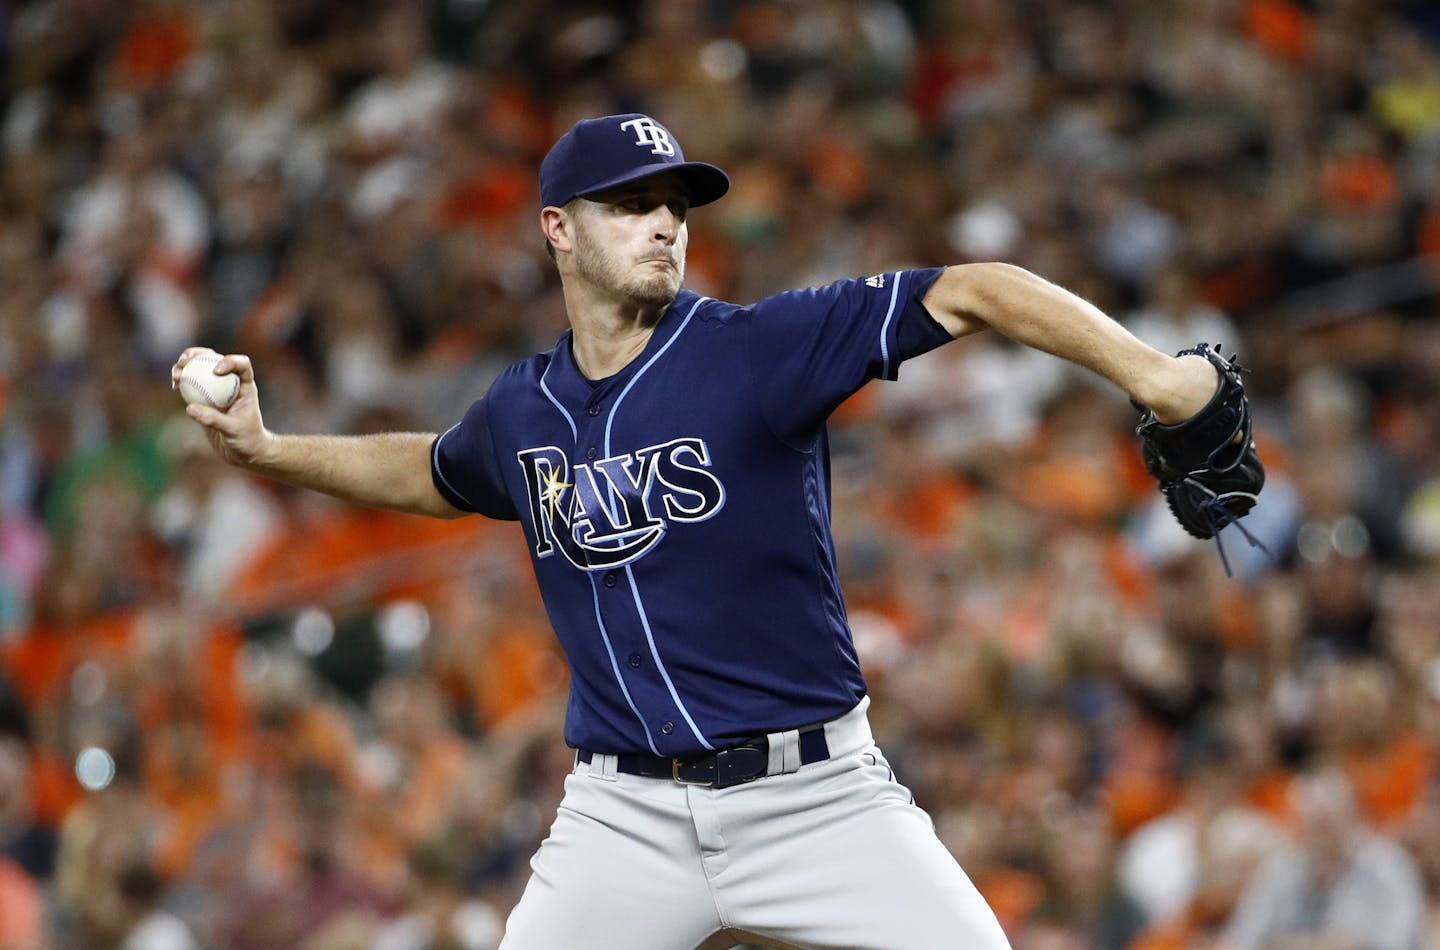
point(644, 204)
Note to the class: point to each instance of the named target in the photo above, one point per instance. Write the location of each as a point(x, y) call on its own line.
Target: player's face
point(630, 241)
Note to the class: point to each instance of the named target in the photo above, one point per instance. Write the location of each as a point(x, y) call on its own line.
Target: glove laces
point(1220, 517)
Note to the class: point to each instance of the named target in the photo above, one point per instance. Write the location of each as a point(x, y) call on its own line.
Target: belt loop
point(603, 766)
point(784, 752)
point(776, 742)
point(792, 750)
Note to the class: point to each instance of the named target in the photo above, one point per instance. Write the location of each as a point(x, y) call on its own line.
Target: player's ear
point(558, 227)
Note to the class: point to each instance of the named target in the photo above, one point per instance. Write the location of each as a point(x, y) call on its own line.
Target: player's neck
point(608, 335)
point(599, 357)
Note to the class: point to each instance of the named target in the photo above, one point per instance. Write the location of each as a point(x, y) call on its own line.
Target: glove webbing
point(1222, 517)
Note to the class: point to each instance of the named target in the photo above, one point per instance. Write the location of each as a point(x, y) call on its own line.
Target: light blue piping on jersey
point(610, 422)
point(629, 572)
point(615, 665)
point(885, 327)
point(435, 466)
point(595, 594)
point(574, 433)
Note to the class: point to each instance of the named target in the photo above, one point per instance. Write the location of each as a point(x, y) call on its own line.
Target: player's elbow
point(432, 504)
point(448, 511)
point(964, 294)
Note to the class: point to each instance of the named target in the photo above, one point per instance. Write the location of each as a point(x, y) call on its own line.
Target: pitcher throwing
point(668, 463)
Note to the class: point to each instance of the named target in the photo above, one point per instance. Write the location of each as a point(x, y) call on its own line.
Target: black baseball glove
point(1207, 466)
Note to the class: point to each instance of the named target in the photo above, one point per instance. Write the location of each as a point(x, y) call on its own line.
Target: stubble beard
point(596, 265)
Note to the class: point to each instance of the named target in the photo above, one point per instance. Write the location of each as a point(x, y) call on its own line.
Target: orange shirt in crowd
point(357, 548)
point(1391, 780)
point(1190, 929)
point(1281, 28)
point(1012, 894)
point(157, 43)
point(20, 908)
point(41, 658)
point(1140, 785)
point(39, 663)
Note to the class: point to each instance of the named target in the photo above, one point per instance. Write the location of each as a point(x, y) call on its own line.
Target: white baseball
point(200, 383)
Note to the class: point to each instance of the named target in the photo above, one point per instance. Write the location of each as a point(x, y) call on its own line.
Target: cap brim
point(705, 182)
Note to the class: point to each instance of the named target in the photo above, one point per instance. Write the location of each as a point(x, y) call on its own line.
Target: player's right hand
point(237, 433)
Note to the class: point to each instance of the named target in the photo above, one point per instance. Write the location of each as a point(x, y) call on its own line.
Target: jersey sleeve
point(465, 467)
point(811, 349)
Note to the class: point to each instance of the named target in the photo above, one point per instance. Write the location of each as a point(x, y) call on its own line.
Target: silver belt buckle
point(675, 774)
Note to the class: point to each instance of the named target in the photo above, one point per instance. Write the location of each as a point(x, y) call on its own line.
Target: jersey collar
point(572, 387)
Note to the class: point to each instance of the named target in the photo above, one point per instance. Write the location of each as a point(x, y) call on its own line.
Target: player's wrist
point(265, 453)
point(1184, 386)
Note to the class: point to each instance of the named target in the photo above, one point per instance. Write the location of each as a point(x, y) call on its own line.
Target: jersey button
point(609, 578)
point(667, 727)
point(635, 661)
point(591, 453)
point(593, 410)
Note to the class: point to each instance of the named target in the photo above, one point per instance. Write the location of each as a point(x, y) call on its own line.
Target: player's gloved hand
point(1207, 466)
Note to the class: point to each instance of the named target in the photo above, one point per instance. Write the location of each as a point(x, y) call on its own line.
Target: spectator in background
point(322, 890)
point(1339, 576)
point(254, 231)
point(1363, 727)
point(23, 839)
point(148, 926)
point(411, 769)
point(1342, 887)
point(114, 830)
point(490, 827)
point(1174, 315)
point(400, 107)
point(138, 229)
point(1421, 832)
point(1161, 865)
point(1333, 432)
point(1084, 907)
point(437, 912)
point(1234, 845)
point(215, 522)
point(1408, 603)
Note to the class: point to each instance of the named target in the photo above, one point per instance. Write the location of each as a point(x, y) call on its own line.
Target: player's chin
point(658, 291)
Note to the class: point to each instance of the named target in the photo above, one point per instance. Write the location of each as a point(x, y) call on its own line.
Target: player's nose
point(667, 224)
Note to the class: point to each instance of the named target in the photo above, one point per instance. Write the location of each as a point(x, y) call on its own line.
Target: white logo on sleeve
point(878, 281)
point(649, 132)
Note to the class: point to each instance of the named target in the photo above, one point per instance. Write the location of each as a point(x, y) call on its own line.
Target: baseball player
point(667, 461)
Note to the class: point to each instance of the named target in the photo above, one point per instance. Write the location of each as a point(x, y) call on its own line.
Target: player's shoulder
point(709, 310)
point(526, 373)
point(851, 291)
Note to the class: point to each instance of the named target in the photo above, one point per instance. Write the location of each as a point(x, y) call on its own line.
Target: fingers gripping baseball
point(234, 427)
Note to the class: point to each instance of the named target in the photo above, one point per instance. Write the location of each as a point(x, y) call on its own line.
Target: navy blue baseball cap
point(601, 153)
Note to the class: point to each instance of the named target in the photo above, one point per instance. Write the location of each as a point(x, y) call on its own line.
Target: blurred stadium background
point(234, 716)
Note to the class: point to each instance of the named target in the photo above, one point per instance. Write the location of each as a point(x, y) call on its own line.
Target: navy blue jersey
point(678, 512)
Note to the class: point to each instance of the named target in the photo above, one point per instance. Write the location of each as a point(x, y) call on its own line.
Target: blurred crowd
point(235, 716)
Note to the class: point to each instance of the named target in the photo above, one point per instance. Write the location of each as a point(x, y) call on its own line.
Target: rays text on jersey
point(611, 511)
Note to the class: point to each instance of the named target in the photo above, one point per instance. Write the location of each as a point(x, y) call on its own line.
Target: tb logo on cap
point(649, 132)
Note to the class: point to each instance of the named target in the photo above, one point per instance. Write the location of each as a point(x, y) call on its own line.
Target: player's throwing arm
point(388, 470)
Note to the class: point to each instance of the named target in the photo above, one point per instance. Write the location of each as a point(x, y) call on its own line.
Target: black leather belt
point(734, 765)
